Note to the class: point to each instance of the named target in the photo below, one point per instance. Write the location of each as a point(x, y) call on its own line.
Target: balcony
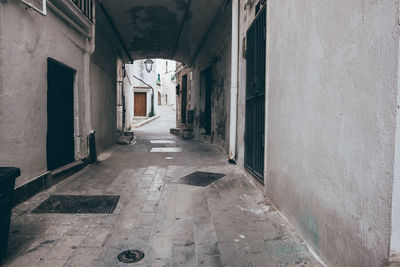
point(76, 13)
point(86, 7)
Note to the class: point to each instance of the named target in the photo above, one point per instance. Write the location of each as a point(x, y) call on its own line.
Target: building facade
point(58, 81)
point(157, 81)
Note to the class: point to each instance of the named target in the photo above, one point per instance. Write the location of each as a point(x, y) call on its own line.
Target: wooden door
point(184, 98)
point(140, 104)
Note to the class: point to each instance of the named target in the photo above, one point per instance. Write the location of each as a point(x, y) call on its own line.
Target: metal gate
point(255, 96)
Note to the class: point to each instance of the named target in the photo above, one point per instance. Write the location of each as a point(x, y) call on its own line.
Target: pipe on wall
point(44, 7)
point(234, 81)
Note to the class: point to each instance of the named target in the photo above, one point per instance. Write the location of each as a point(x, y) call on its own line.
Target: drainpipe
point(44, 7)
point(234, 81)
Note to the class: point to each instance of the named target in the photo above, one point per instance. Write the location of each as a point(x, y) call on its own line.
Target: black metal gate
point(255, 96)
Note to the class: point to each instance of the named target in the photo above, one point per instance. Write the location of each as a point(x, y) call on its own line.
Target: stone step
point(187, 134)
point(206, 242)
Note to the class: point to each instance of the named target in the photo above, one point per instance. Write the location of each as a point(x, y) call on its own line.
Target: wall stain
point(156, 26)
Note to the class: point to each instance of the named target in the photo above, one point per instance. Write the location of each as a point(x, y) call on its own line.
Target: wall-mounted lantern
point(149, 65)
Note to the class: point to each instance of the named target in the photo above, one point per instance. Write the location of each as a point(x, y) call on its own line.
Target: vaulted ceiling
point(173, 29)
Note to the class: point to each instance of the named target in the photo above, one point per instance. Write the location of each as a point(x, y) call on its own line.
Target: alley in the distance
point(227, 223)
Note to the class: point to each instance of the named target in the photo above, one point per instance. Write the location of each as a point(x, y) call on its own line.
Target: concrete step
point(175, 131)
point(206, 242)
point(125, 139)
point(187, 134)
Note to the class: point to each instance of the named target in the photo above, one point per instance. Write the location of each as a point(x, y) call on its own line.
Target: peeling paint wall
point(27, 41)
point(129, 95)
point(215, 53)
point(332, 90)
point(180, 74)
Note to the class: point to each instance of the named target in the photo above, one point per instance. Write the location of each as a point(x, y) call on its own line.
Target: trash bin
point(7, 182)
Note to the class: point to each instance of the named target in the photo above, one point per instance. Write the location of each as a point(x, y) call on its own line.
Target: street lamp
point(149, 65)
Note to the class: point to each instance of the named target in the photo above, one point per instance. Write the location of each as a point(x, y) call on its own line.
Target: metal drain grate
point(131, 256)
point(200, 178)
point(78, 204)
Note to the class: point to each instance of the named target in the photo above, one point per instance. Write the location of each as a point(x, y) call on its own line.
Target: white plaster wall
point(139, 71)
point(168, 86)
point(129, 104)
point(27, 40)
point(332, 102)
point(395, 238)
point(165, 87)
point(103, 84)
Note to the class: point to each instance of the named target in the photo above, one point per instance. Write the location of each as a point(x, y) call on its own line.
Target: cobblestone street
point(227, 223)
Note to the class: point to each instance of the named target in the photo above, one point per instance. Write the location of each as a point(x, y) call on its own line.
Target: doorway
point(255, 96)
point(60, 115)
point(184, 98)
point(159, 98)
point(140, 104)
point(206, 80)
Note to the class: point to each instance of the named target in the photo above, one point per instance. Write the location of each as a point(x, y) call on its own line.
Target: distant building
point(157, 79)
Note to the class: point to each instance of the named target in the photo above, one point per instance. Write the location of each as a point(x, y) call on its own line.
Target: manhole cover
point(200, 178)
point(131, 256)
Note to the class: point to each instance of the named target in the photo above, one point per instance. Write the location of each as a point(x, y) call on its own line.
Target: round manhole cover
point(131, 256)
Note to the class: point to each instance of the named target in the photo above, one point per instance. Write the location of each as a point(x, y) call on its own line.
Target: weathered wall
point(180, 74)
point(332, 86)
point(215, 53)
point(103, 83)
point(129, 104)
point(395, 237)
point(27, 40)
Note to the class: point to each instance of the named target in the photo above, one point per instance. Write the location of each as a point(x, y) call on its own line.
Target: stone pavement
point(228, 223)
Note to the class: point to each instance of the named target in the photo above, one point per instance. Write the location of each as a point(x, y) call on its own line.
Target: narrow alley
point(200, 133)
point(227, 223)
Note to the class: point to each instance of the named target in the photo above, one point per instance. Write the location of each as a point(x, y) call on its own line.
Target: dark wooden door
point(140, 104)
point(184, 98)
point(60, 115)
point(207, 107)
point(255, 96)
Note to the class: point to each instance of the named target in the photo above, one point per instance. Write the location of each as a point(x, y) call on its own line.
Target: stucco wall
point(27, 41)
point(215, 53)
point(129, 104)
point(332, 68)
point(103, 83)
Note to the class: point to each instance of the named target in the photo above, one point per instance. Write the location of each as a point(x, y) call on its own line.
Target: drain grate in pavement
point(78, 204)
point(200, 178)
point(131, 256)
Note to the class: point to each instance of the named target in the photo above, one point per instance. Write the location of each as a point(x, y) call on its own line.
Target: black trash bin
point(7, 182)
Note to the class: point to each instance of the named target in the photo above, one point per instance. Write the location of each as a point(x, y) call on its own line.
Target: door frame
point(184, 99)
point(75, 111)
